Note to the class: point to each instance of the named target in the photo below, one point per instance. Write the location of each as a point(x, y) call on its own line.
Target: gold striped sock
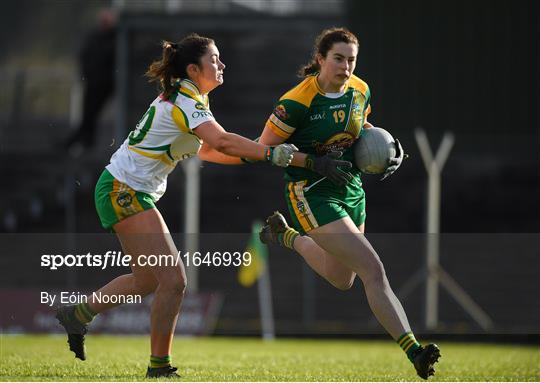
point(288, 238)
point(160, 361)
point(408, 343)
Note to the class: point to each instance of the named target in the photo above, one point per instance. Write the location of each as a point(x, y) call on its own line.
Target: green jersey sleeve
point(286, 117)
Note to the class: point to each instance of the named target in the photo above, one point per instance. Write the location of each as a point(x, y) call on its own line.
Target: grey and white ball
point(373, 150)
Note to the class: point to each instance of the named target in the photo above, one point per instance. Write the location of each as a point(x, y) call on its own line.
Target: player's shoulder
point(188, 101)
point(186, 110)
point(304, 92)
point(191, 109)
point(358, 84)
point(188, 97)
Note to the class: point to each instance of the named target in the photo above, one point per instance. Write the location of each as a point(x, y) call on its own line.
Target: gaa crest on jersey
point(124, 199)
point(338, 142)
point(281, 112)
point(301, 207)
point(357, 106)
point(200, 106)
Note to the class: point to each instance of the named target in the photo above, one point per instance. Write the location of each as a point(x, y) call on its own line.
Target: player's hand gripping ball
point(376, 152)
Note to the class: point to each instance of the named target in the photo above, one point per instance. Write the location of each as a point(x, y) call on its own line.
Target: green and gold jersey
point(318, 122)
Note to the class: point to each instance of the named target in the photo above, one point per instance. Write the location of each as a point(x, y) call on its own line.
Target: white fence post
point(192, 170)
point(434, 166)
point(435, 274)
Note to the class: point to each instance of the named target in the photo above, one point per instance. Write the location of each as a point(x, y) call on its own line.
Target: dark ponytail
point(172, 67)
point(323, 43)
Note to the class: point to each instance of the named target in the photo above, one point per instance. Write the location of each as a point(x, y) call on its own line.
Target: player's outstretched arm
point(208, 153)
point(234, 145)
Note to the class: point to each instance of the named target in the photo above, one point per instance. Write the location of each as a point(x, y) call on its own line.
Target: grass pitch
point(119, 358)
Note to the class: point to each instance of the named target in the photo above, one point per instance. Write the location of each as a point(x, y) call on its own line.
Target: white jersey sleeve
point(195, 112)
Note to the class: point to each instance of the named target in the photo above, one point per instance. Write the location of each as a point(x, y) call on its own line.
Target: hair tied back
point(169, 45)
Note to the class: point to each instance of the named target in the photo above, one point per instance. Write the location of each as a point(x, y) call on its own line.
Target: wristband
point(308, 164)
point(269, 152)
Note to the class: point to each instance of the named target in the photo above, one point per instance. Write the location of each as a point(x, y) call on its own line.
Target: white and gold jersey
point(163, 137)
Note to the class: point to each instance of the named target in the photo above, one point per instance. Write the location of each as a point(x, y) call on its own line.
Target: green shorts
point(116, 201)
point(324, 203)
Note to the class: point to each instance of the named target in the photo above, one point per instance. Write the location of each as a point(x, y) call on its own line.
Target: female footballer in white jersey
point(177, 125)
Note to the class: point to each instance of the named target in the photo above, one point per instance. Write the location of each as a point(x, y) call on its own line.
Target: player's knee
point(180, 285)
point(375, 275)
point(175, 286)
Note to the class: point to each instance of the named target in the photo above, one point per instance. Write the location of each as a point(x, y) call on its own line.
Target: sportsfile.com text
point(118, 259)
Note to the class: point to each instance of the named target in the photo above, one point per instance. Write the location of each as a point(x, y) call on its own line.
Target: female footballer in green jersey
point(323, 116)
point(177, 125)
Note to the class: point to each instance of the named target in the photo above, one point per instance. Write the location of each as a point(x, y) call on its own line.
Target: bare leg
point(325, 264)
point(144, 234)
point(140, 282)
point(343, 240)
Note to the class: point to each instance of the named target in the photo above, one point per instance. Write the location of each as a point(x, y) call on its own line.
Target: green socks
point(160, 361)
point(83, 313)
point(287, 238)
point(409, 344)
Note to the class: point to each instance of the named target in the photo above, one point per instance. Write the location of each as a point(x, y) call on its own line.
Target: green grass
point(116, 358)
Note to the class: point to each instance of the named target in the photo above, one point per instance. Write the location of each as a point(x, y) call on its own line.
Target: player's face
point(211, 70)
point(338, 65)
